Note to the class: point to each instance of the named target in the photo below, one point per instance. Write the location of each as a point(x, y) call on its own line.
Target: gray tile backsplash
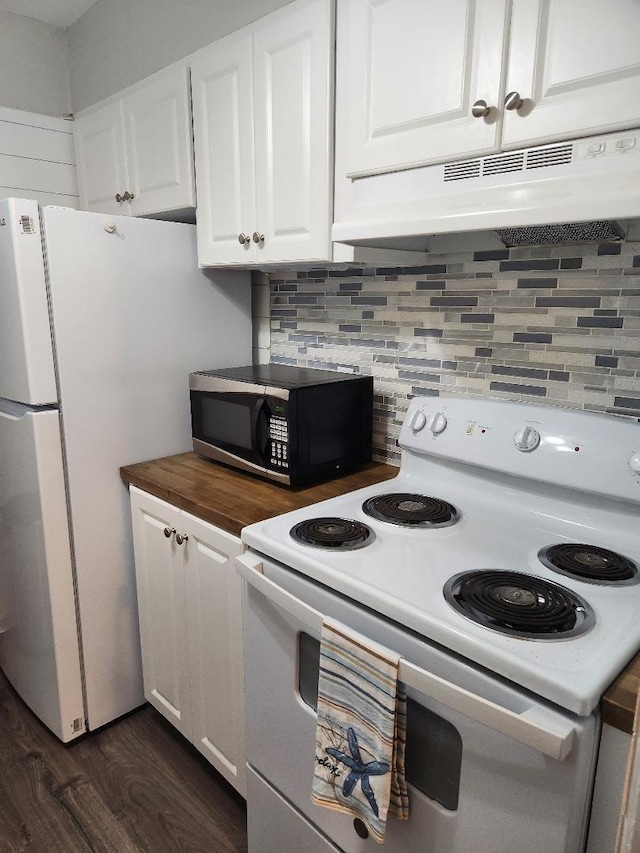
point(554, 325)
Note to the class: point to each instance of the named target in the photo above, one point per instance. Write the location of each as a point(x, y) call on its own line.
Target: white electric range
point(503, 563)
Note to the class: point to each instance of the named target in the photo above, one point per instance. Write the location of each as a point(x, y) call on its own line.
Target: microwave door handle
point(538, 727)
point(259, 435)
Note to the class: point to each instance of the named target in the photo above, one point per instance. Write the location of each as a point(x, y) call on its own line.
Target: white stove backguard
point(589, 451)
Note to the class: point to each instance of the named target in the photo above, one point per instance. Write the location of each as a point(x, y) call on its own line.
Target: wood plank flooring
point(136, 785)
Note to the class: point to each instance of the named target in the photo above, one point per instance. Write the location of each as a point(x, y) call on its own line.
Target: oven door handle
point(539, 727)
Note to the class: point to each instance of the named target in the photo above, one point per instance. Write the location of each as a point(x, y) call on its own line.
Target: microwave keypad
point(279, 437)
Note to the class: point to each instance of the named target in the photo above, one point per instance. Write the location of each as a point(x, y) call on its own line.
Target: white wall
point(118, 42)
point(37, 158)
point(33, 66)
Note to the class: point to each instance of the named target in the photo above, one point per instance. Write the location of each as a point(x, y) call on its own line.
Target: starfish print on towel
point(360, 771)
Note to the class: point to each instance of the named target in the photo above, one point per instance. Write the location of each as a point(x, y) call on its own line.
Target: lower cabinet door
point(214, 625)
point(162, 607)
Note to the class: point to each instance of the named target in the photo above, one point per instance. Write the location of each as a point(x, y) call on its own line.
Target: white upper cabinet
point(222, 85)
point(100, 158)
point(414, 71)
point(135, 155)
point(426, 82)
point(262, 104)
point(575, 65)
point(158, 138)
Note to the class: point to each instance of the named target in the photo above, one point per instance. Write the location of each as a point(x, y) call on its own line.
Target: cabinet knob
point(243, 238)
point(127, 196)
point(181, 537)
point(258, 238)
point(513, 101)
point(169, 531)
point(119, 198)
point(480, 109)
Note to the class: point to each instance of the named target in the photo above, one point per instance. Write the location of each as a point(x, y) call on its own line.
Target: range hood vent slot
point(503, 163)
point(538, 158)
point(461, 171)
point(500, 164)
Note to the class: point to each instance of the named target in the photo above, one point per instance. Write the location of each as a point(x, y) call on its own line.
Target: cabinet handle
point(169, 531)
point(119, 198)
point(480, 109)
point(513, 101)
point(242, 239)
point(127, 196)
point(181, 537)
point(258, 238)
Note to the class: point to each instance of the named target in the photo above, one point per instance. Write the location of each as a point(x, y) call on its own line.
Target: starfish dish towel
point(360, 738)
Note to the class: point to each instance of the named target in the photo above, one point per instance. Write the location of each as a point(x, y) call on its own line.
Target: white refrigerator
point(101, 321)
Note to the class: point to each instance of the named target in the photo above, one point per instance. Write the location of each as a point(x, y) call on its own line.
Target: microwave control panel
point(279, 442)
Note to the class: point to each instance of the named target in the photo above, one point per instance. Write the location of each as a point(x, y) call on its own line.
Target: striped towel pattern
point(361, 732)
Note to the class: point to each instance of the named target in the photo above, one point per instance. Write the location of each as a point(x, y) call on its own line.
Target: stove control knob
point(526, 439)
point(634, 462)
point(437, 423)
point(418, 421)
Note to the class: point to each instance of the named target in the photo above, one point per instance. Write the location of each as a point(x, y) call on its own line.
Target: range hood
point(576, 191)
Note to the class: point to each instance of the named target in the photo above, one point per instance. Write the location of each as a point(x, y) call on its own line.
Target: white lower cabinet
point(190, 607)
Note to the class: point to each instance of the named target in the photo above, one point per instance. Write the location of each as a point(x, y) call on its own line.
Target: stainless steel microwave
point(294, 425)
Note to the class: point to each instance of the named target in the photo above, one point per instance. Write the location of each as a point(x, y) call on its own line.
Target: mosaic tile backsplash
point(554, 325)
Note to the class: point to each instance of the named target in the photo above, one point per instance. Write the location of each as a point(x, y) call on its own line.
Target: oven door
point(491, 768)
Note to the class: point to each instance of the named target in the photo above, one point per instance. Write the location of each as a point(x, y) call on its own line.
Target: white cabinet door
point(576, 66)
point(293, 84)
point(414, 69)
point(223, 132)
point(190, 606)
point(157, 123)
point(162, 608)
point(100, 159)
point(214, 618)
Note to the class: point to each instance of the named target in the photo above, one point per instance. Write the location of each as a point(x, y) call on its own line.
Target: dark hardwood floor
point(135, 785)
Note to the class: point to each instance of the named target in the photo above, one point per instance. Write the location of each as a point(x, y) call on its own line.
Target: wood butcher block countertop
point(231, 500)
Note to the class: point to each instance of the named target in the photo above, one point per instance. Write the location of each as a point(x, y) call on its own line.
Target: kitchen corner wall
point(550, 325)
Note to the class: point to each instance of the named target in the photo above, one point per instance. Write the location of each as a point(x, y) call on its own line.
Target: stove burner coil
point(411, 510)
point(589, 563)
point(519, 605)
point(338, 534)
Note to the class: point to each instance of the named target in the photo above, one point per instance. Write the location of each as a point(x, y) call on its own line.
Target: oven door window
point(233, 422)
point(433, 757)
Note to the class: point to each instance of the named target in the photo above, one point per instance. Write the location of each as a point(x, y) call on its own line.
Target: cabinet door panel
point(162, 608)
point(223, 132)
point(413, 70)
point(292, 90)
point(157, 121)
point(100, 159)
point(214, 610)
point(577, 65)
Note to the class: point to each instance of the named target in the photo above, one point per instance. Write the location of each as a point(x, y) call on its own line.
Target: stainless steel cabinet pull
point(181, 537)
point(513, 101)
point(480, 109)
point(258, 238)
point(169, 531)
point(242, 239)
